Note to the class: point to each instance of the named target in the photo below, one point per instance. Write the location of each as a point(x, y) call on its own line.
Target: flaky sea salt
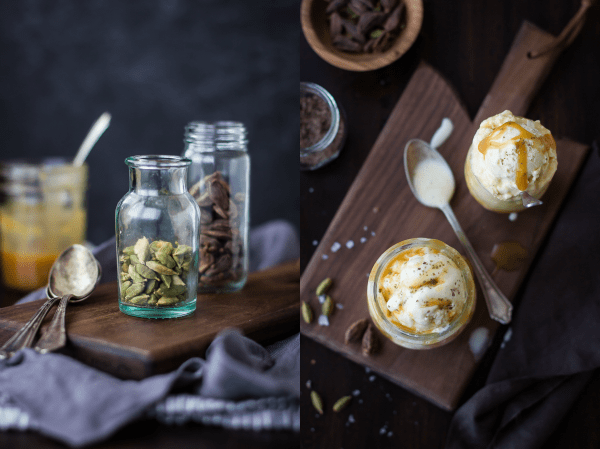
point(513, 216)
point(339, 306)
point(478, 342)
point(311, 190)
point(335, 247)
point(323, 320)
point(365, 228)
point(351, 418)
point(324, 257)
point(349, 244)
point(371, 378)
point(367, 369)
point(315, 242)
point(308, 384)
point(363, 239)
point(322, 298)
point(355, 392)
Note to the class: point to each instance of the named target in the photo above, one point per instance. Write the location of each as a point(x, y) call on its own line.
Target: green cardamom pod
point(142, 249)
point(141, 299)
point(166, 279)
point(165, 259)
point(125, 267)
point(317, 402)
point(174, 290)
point(150, 286)
point(177, 280)
point(146, 272)
point(125, 285)
point(327, 308)
point(134, 259)
point(135, 276)
point(341, 403)
point(134, 290)
point(124, 277)
point(323, 286)
point(153, 300)
point(307, 313)
point(182, 250)
point(185, 266)
point(129, 250)
point(167, 300)
point(159, 268)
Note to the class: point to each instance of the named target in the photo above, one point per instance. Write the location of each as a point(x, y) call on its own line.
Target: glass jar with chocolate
point(322, 127)
point(219, 180)
point(421, 293)
point(157, 224)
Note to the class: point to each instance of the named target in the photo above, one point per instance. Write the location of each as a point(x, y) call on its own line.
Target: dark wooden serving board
point(381, 200)
point(100, 335)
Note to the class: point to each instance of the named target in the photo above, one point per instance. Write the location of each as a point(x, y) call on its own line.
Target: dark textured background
point(154, 65)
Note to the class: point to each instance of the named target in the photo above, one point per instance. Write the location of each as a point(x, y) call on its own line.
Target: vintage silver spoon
point(529, 201)
point(72, 281)
point(432, 182)
point(62, 267)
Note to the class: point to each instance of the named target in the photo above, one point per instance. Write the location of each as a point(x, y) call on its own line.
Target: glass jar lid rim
point(158, 161)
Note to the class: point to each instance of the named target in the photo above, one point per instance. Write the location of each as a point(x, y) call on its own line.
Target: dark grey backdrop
point(154, 65)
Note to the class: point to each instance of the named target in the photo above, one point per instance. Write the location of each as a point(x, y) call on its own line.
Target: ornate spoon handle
point(499, 307)
point(55, 336)
point(23, 338)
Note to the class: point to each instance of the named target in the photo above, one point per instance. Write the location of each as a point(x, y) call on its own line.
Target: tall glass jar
point(157, 224)
point(220, 183)
point(42, 213)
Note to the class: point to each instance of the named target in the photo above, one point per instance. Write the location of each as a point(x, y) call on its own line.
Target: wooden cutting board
point(100, 335)
point(380, 208)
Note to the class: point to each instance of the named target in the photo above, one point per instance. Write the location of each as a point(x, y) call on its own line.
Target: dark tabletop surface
point(466, 41)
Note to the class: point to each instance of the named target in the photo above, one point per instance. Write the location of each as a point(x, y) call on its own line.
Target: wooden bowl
point(316, 30)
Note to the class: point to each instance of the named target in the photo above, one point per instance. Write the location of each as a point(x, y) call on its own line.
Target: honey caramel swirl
point(545, 141)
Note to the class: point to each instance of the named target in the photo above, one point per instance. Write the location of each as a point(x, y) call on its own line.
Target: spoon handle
point(55, 336)
point(500, 308)
point(23, 338)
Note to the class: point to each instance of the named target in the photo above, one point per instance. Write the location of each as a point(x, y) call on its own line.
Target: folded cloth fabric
point(239, 385)
point(78, 405)
point(553, 344)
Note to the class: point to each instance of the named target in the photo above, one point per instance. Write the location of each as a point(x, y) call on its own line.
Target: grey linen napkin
point(239, 385)
point(553, 345)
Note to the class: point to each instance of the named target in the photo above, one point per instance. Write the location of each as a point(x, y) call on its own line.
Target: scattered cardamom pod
point(317, 402)
point(323, 286)
point(370, 341)
point(327, 308)
point(341, 403)
point(307, 313)
point(356, 331)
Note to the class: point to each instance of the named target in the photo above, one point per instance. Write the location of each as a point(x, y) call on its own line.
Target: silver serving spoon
point(432, 182)
point(76, 265)
point(73, 280)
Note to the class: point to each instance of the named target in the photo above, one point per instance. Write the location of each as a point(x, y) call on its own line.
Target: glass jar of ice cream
point(421, 293)
point(509, 155)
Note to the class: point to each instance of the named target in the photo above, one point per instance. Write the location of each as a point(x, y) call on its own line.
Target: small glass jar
point(42, 213)
point(383, 318)
point(318, 109)
point(219, 180)
point(489, 201)
point(157, 224)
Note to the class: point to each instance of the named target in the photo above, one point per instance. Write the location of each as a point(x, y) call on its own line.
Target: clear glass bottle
point(219, 180)
point(157, 225)
point(42, 213)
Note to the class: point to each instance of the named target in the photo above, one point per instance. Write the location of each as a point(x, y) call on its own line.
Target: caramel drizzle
point(492, 141)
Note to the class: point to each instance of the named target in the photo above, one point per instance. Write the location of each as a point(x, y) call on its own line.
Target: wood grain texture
point(100, 335)
point(380, 199)
point(316, 30)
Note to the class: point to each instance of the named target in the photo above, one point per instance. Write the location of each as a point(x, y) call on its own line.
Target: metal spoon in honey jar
point(432, 182)
point(74, 275)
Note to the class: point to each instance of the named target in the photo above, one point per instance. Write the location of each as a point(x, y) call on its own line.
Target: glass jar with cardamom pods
point(219, 180)
point(157, 229)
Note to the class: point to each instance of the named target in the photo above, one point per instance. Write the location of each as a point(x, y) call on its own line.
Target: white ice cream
point(510, 154)
point(423, 290)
